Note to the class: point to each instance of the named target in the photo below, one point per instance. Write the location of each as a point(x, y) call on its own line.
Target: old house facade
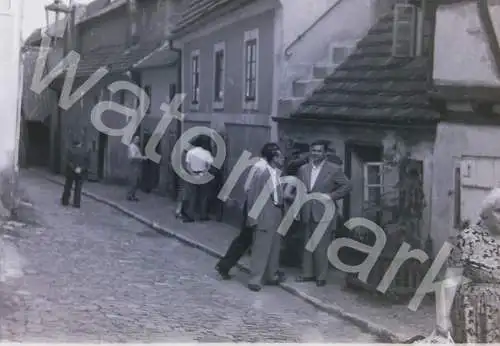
point(375, 112)
point(121, 36)
point(246, 62)
point(466, 89)
point(159, 75)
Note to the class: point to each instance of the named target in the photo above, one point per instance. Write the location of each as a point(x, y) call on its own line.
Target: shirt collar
point(318, 166)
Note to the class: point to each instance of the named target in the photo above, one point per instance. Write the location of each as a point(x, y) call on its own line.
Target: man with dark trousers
point(242, 243)
point(78, 161)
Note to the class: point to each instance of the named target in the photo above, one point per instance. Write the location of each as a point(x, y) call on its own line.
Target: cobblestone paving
point(95, 275)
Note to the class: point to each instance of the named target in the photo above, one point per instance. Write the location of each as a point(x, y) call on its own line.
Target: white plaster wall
point(462, 53)
point(452, 142)
point(344, 26)
point(10, 93)
point(300, 14)
point(10, 74)
point(347, 22)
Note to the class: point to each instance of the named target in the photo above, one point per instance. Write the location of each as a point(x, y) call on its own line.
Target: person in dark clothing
point(78, 162)
point(198, 163)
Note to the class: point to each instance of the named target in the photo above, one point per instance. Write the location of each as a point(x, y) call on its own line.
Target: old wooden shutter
point(404, 30)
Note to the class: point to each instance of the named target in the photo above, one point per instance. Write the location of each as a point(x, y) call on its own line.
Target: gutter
point(424, 124)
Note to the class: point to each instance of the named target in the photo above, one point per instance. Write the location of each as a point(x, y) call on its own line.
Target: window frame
point(195, 94)
point(366, 185)
point(218, 103)
point(251, 104)
point(148, 91)
point(416, 28)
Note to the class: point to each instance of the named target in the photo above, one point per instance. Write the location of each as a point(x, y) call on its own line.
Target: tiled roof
point(371, 85)
point(161, 56)
point(115, 58)
point(198, 10)
point(36, 107)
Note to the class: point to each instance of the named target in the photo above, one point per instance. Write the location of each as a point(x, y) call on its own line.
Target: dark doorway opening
point(101, 154)
point(150, 169)
point(38, 144)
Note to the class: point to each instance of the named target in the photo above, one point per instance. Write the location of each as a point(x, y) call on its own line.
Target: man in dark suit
point(319, 176)
point(78, 161)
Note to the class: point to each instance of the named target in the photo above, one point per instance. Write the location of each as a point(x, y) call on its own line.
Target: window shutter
point(404, 31)
point(391, 176)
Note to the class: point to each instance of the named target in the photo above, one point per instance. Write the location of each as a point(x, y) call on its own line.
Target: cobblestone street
point(96, 275)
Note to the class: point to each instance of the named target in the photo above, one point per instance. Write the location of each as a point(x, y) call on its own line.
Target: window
point(339, 54)
point(147, 91)
point(219, 75)
point(195, 79)
point(373, 182)
point(405, 31)
point(251, 69)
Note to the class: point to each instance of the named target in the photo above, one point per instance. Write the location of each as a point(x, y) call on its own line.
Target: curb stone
point(385, 334)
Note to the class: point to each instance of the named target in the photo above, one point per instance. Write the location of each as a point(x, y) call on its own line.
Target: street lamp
point(55, 14)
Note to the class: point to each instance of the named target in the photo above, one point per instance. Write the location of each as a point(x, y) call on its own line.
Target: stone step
point(321, 71)
point(305, 87)
point(286, 106)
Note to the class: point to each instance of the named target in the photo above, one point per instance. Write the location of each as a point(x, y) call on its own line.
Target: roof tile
point(372, 85)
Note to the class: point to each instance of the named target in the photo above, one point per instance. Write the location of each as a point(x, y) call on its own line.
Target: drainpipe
point(178, 129)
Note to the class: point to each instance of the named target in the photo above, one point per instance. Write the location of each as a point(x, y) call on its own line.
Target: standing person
point(135, 158)
point(323, 176)
point(474, 317)
point(264, 263)
point(242, 243)
point(198, 162)
point(78, 161)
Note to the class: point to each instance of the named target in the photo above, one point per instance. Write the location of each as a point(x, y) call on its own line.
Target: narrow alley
point(93, 274)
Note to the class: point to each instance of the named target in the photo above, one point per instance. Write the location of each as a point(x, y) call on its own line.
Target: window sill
point(250, 106)
point(218, 105)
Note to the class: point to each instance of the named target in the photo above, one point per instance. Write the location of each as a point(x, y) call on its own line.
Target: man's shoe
point(254, 287)
point(187, 220)
point(222, 273)
point(277, 280)
point(321, 283)
point(305, 279)
point(76, 205)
